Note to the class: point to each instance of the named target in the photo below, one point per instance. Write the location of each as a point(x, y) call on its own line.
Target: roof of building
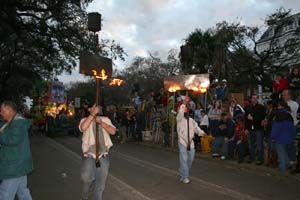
point(268, 33)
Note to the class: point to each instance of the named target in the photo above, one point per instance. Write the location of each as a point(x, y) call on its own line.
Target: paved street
point(142, 172)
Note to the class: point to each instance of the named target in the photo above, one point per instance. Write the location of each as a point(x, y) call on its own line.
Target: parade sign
point(56, 92)
point(195, 82)
point(95, 65)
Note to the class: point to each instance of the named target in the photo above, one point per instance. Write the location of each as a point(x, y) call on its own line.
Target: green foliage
point(202, 45)
point(83, 90)
point(230, 51)
point(39, 39)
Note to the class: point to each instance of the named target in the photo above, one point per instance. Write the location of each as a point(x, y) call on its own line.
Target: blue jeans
point(292, 148)
point(214, 127)
point(185, 160)
point(239, 147)
point(166, 138)
point(94, 179)
point(292, 151)
point(10, 187)
point(282, 151)
point(256, 143)
point(219, 146)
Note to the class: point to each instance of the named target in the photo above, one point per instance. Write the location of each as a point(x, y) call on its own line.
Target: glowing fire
point(174, 88)
point(116, 81)
point(200, 89)
point(102, 76)
point(195, 88)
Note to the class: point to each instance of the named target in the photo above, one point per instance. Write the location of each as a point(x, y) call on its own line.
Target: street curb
point(260, 170)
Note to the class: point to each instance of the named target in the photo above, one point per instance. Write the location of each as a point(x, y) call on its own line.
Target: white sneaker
point(223, 158)
point(186, 180)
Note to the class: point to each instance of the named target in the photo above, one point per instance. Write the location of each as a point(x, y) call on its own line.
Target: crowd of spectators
point(263, 133)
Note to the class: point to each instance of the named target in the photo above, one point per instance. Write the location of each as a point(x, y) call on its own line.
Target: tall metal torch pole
point(97, 126)
point(173, 120)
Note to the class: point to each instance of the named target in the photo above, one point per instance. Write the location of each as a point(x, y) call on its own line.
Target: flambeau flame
point(200, 89)
point(116, 81)
point(203, 90)
point(102, 76)
point(174, 88)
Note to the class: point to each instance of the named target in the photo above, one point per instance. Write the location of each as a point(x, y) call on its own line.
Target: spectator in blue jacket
point(282, 134)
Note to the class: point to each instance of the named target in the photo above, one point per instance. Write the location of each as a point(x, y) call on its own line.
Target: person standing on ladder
point(186, 128)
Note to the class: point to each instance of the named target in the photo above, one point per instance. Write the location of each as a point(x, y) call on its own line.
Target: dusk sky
point(140, 26)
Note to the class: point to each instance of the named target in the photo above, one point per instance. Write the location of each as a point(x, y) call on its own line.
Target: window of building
point(290, 46)
point(290, 25)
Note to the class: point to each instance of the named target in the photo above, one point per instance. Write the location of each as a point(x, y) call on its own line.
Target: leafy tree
point(149, 72)
point(232, 52)
point(39, 39)
point(202, 45)
point(211, 48)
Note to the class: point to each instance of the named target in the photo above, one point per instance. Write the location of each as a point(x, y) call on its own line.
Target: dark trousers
point(298, 156)
point(256, 144)
point(239, 147)
point(166, 138)
point(197, 141)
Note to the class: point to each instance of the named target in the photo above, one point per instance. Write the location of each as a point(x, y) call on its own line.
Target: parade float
point(52, 112)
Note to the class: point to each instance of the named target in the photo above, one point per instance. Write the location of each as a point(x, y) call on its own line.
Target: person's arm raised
point(87, 122)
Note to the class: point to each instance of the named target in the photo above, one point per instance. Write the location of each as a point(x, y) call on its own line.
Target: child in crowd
point(204, 122)
point(225, 131)
point(239, 140)
point(166, 132)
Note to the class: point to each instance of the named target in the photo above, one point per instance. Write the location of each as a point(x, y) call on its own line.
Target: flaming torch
point(116, 81)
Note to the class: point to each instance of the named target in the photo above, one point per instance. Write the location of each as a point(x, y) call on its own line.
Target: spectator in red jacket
point(278, 85)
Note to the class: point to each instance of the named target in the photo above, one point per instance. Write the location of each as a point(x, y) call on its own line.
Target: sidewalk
point(56, 174)
point(257, 169)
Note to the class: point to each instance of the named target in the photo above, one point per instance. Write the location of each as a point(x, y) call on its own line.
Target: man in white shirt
point(186, 128)
point(286, 96)
point(92, 176)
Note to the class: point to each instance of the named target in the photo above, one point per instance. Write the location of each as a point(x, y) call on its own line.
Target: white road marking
point(200, 182)
point(135, 194)
point(130, 192)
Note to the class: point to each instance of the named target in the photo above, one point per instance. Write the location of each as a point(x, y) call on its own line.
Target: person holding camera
point(94, 173)
point(186, 128)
